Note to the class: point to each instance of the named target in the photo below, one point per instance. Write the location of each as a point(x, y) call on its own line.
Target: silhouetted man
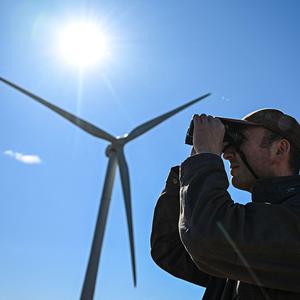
point(236, 251)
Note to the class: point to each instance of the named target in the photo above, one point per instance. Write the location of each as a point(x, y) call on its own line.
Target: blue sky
point(163, 53)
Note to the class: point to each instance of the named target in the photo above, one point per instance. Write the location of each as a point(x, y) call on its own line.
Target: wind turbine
point(115, 154)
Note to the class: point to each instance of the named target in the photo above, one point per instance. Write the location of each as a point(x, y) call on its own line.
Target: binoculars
point(233, 135)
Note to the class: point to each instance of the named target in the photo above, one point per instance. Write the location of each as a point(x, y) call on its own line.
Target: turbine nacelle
point(110, 150)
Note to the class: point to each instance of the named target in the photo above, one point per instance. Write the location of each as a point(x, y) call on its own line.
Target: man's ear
point(283, 148)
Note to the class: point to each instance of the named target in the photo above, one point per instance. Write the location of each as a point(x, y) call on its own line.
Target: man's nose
point(229, 152)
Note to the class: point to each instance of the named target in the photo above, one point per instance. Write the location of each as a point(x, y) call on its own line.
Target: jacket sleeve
point(257, 243)
point(166, 247)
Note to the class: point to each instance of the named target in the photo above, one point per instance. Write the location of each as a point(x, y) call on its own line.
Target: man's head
point(271, 146)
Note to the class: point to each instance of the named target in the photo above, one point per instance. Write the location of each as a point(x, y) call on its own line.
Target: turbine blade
point(88, 288)
point(88, 127)
point(124, 173)
point(152, 123)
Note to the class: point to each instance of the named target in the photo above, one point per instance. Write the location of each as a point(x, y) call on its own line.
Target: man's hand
point(208, 134)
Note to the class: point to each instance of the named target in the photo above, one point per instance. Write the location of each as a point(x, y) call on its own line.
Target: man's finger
point(203, 118)
point(210, 118)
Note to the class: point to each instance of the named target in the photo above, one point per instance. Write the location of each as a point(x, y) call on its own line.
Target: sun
point(83, 44)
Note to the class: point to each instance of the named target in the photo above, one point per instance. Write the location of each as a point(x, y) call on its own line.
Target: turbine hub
point(121, 140)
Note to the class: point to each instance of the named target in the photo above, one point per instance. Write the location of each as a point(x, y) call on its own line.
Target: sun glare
point(83, 44)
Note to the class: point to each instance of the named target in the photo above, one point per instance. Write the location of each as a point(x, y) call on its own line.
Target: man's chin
point(241, 185)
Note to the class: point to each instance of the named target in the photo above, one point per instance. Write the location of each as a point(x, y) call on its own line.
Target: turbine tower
point(115, 154)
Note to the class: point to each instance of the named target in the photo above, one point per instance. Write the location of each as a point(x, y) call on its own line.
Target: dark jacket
point(209, 240)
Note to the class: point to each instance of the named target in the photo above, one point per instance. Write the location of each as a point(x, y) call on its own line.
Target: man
point(236, 251)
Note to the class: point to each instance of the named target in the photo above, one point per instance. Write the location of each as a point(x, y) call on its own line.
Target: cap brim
point(238, 122)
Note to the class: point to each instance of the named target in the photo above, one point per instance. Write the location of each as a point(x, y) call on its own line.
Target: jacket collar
point(276, 189)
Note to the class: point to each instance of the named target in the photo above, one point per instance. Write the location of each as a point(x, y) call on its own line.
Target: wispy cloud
point(28, 159)
point(223, 98)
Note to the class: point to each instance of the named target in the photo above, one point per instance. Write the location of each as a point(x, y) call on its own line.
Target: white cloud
point(24, 158)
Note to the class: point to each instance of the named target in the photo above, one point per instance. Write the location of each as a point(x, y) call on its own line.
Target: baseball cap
point(274, 120)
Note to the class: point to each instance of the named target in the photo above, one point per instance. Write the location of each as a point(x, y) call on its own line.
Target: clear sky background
point(162, 54)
